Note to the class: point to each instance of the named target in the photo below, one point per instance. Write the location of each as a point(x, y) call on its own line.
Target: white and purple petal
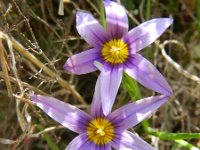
point(116, 19)
point(146, 33)
point(131, 114)
point(83, 62)
point(110, 79)
point(82, 142)
point(90, 29)
point(130, 141)
point(103, 147)
point(146, 74)
point(96, 106)
point(66, 114)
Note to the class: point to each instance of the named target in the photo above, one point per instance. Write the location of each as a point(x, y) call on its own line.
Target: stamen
point(100, 131)
point(115, 51)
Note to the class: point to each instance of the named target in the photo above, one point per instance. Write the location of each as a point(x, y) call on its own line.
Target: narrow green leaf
point(198, 9)
point(129, 4)
point(197, 19)
point(48, 139)
point(132, 87)
point(135, 94)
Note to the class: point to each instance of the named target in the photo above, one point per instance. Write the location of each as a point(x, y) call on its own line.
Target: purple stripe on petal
point(131, 114)
point(130, 141)
point(90, 29)
point(66, 114)
point(105, 147)
point(146, 33)
point(110, 79)
point(116, 19)
point(146, 74)
point(83, 62)
point(80, 143)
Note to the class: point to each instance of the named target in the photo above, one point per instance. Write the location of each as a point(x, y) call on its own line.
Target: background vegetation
point(35, 41)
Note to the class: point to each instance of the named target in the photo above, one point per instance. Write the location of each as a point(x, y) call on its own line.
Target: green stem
point(186, 144)
point(135, 94)
point(148, 9)
point(145, 125)
point(102, 11)
point(172, 136)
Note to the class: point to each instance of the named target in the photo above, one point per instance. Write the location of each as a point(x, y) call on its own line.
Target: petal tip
point(111, 3)
point(167, 21)
point(167, 90)
point(170, 20)
point(68, 66)
point(170, 92)
point(81, 17)
point(80, 13)
point(106, 107)
point(105, 111)
point(33, 97)
point(98, 65)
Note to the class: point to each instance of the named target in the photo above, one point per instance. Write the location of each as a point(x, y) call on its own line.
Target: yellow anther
point(115, 51)
point(100, 131)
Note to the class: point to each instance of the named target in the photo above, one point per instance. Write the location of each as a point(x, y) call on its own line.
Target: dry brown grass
point(35, 42)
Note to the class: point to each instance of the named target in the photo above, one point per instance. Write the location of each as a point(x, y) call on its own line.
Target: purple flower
point(97, 131)
point(116, 49)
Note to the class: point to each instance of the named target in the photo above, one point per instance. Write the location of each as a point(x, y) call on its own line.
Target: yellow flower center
point(100, 131)
point(115, 51)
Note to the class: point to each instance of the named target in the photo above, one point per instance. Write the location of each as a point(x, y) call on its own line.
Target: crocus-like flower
point(97, 131)
point(116, 49)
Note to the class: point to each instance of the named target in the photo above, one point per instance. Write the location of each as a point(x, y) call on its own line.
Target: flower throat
point(115, 51)
point(100, 131)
